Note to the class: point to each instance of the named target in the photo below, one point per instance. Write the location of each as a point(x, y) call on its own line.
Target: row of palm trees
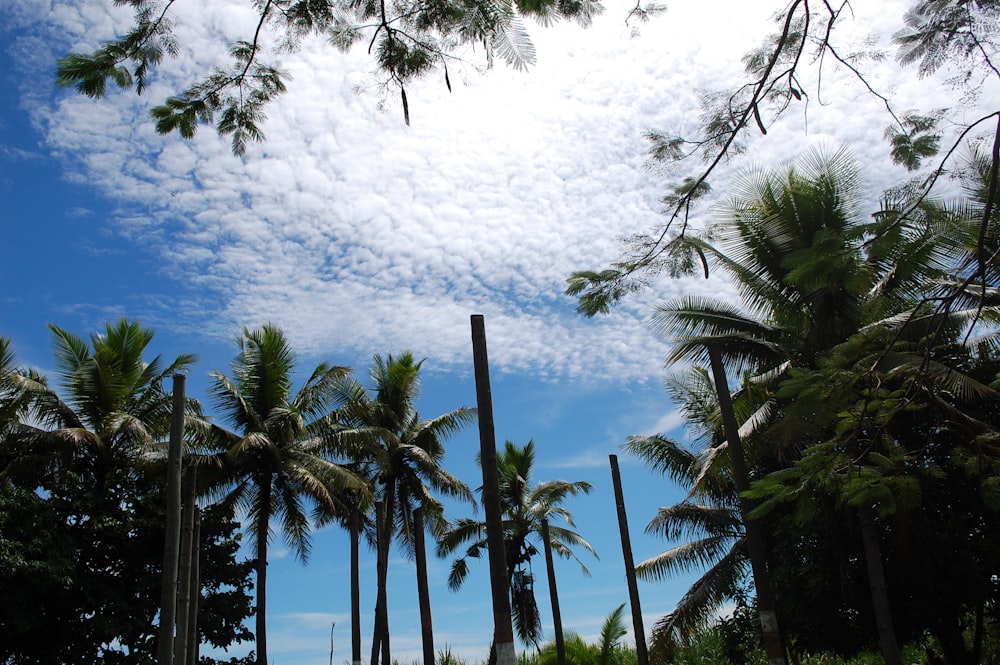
point(285, 461)
point(847, 326)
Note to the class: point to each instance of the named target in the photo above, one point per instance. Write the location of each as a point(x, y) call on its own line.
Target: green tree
point(810, 276)
point(405, 464)
point(408, 40)
point(816, 280)
point(886, 445)
point(523, 507)
point(82, 508)
point(951, 35)
point(275, 455)
point(115, 409)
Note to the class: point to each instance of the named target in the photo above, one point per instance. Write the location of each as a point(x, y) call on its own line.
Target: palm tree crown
point(113, 408)
point(403, 461)
point(524, 506)
point(276, 453)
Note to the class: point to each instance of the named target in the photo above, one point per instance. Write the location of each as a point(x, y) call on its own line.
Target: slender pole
point(423, 590)
point(194, 642)
point(172, 544)
point(503, 630)
point(332, 626)
point(184, 591)
point(633, 588)
point(550, 570)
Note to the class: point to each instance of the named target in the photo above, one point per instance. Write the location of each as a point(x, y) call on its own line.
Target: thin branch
point(658, 246)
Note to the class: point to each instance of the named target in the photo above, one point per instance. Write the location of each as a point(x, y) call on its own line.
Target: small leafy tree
point(82, 508)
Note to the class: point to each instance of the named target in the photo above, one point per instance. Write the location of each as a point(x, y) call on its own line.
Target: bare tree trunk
point(185, 591)
point(550, 570)
point(503, 629)
point(355, 588)
point(773, 644)
point(876, 582)
point(641, 652)
point(171, 548)
point(423, 592)
point(194, 639)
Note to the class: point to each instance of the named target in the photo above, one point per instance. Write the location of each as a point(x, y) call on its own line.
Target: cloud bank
point(346, 227)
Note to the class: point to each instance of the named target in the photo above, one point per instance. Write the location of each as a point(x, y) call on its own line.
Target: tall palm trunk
point(550, 570)
point(423, 592)
point(186, 591)
point(876, 582)
point(755, 538)
point(171, 549)
point(194, 643)
point(641, 651)
point(380, 641)
point(263, 519)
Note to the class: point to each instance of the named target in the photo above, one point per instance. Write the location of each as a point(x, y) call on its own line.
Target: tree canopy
point(952, 38)
point(406, 39)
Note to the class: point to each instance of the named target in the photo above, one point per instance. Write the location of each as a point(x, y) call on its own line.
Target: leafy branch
point(936, 31)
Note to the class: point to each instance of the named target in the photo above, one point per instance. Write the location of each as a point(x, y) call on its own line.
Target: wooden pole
point(553, 595)
point(503, 630)
point(193, 638)
point(184, 590)
point(172, 540)
point(633, 588)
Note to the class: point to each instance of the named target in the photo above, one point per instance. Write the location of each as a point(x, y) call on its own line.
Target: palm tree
point(707, 521)
point(14, 412)
point(354, 515)
point(524, 507)
point(275, 454)
point(790, 241)
point(115, 409)
point(404, 467)
point(811, 273)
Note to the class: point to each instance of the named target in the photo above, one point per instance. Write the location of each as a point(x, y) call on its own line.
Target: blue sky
point(358, 235)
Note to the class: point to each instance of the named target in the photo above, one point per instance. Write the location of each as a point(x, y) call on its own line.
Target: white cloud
point(347, 225)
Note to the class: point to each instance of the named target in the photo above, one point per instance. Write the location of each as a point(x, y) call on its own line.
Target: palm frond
point(704, 599)
point(612, 630)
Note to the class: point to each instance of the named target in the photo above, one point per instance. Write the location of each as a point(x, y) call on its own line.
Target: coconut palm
point(812, 272)
point(113, 408)
point(353, 514)
point(405, 465)
point(707, 521)
point(275, 456)
point(524, 506)
point(14, 411)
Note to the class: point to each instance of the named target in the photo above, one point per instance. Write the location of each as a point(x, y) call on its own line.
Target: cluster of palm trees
point(284, 461)
point(862, 353)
